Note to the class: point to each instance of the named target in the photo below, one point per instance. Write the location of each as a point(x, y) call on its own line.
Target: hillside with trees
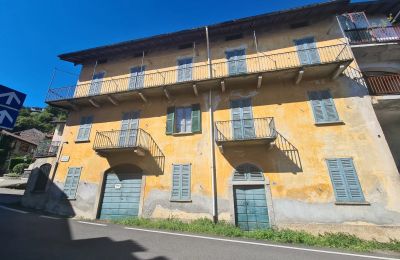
point(28, 119)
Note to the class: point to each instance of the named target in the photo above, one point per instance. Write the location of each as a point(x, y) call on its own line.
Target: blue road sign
point(10, 103)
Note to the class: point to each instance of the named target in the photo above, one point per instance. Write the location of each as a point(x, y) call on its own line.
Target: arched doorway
point(121, 192)
point(42, 178)
point(250, 200)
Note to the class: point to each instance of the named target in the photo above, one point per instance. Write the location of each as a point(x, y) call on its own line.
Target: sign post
point(11, 102)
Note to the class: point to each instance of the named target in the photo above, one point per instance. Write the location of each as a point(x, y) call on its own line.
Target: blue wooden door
point(185, 69)
point(242, 119)
point(236, 61)
point(97, 81)
point(121, 196)
point(307, 51)
point(251, 210)
point(129, 129)
point(137, 78)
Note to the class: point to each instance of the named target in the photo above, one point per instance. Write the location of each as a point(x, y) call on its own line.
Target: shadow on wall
point(67, 242)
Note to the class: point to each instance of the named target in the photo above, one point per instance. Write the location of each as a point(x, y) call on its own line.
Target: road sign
point(10, 103)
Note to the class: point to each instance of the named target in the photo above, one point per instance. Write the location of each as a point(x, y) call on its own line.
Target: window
point(323, 107)
point(242, 119)
point(248, 172)
point(344, 180)
point(183, 119)
point(137, 77)
point(307, 51)
point(185, 69)
point(84, 128)
point(236, 61)
point(180, 182)
point(72, 181)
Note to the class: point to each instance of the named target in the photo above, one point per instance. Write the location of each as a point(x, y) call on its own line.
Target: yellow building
point(256, 121)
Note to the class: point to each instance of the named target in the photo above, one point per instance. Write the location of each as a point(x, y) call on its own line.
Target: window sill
point(172, 200)
point(353, 203)
point(330, 123)
point(184, 134)
point(82, 141)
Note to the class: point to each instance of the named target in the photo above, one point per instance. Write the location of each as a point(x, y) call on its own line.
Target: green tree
point(39, 120)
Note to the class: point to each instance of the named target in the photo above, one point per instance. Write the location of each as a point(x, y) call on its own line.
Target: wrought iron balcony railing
point(384, 84)
point(245, 129)
point(128, 139)
point(258, 63)
point(47, 148)
point(374, 35)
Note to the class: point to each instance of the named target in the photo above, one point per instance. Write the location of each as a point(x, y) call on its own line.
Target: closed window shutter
point(330, 109)
point(185, 182)
point(344, 180)
point(323, 106)
point(71, 182)
point(84, 128)
point(196, 118)
point(176, 182)
point(353, 184)
point(170, 120)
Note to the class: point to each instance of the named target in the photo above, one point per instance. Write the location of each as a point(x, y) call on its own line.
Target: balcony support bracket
point(259, 81)
point(338, 71)
point(167, 95)
point(142, 97)
point(223, 85)
point(299, 76)
point(94, 103)
point(112, 100)
point(196, 92)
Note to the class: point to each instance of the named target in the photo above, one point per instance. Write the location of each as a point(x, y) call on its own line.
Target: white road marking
point(15, 210)
point(264, 244)
point(44, 216)
point(91, 223)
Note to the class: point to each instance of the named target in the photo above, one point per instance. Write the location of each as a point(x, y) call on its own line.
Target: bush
point(18, 160)
point(19, 168)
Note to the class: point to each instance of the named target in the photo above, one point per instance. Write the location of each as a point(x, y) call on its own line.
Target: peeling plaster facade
point(298, 187)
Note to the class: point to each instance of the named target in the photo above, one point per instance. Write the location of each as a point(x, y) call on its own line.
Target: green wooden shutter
point(71, 182)
point(176, 182)
point(185, 182)
point(344, 180)
point(170, 120)
point(196, 118)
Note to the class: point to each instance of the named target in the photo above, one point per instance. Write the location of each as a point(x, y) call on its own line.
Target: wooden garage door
point(121, 196)
point(251, 207)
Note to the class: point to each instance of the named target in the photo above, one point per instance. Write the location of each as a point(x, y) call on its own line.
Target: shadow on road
point(33, 236)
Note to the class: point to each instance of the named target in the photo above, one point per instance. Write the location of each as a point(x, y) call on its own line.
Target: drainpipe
point(212, 153)
point(208, 54)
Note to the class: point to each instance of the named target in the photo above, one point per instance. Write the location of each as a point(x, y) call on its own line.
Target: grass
point(206, 226)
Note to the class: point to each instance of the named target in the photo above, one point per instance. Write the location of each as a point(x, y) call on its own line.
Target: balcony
point(327, 61)
point(245, 131)
point(373, 35)
point(139, 141)
point(47, 148)
point(384, 84)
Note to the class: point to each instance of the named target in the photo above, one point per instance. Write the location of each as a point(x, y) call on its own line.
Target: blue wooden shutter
point(344, 180)
point(241, 61)
point(176, 182)
point(353, 184)
point(196, 118)
point(307, 51)
point(317, 106)
point(84, 128)
point(236, 119)
point(185, 69)
point(185, 182)
point(247, 117)
point(231, 57)
point(330, 109)
point(95, 85)
point(71, 182)
point(136, 80)
point(236, 61)
point(170, 120)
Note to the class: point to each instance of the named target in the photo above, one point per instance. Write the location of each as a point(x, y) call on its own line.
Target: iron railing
point(129, 138)
point(47, 148)
point(261, 62)
point(384, 84)
point(373, 35)
point(245, 129)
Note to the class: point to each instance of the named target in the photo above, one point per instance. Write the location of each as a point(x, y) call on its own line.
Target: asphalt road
point(27, 235)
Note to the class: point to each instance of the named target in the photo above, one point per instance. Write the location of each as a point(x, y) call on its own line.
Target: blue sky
point(33, 33)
